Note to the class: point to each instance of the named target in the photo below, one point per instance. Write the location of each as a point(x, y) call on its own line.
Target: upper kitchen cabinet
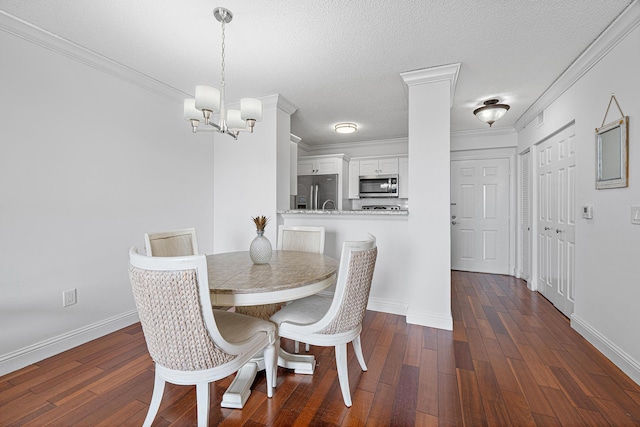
point(379, 166)
point(320, 165)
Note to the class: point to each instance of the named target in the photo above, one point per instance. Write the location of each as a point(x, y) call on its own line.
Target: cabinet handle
point(453, 223)
point(558, 231)
point(546, 228)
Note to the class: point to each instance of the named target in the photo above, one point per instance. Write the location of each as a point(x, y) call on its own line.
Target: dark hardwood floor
point(511, 360)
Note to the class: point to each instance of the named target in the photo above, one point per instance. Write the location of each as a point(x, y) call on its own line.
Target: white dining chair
point(304, 239)
point(191, 343)
point(172, 243)
point(336, 321)
point(301, 238)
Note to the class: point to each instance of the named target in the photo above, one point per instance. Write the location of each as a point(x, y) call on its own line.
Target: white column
point(251, 177)
point(429, 268)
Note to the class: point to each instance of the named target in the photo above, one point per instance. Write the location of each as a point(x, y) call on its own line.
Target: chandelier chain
point(222, 71)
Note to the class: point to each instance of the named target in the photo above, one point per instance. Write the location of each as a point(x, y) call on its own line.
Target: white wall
point(88, 164)
point(607, 291)
point(252, 178)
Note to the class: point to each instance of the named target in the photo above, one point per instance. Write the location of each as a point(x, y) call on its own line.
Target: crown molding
point(626, 22)
point(500, 131)
point(434, 74)
point(279, 101)
point(357, 144)
point(29, 32)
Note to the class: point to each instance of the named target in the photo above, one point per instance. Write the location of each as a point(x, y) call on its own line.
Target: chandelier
point(491, 112)
point(210, 100)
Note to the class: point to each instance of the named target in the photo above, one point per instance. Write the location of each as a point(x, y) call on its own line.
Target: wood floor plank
point(470, 399)
point(380, 414)
point(487, 382)
point(565, 412)
point(519, 411)
point(501, 368)
point(446, 357)
point(406, 398)
point(414, 346)
point(428, 383)
point(530, 388)
point(449, 404)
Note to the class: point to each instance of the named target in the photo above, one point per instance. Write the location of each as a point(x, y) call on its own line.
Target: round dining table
point(257, 290)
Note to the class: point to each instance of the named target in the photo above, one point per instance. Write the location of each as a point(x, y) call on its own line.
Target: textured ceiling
point(339, 60)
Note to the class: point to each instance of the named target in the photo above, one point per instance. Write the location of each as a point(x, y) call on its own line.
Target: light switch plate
point(635, 215)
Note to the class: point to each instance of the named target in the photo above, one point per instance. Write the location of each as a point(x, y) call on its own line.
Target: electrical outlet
point(69, 297)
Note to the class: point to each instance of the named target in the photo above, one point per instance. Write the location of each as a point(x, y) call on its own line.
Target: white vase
point(260, 249)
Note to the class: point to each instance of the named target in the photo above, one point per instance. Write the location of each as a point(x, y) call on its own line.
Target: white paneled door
point(480, 215)
point(556, 219)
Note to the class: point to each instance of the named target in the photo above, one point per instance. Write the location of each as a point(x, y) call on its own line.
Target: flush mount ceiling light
point(346, 127)
point(491, 111)
point(210, 100)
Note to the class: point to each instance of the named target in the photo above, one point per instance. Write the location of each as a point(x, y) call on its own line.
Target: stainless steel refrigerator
point(317, 192)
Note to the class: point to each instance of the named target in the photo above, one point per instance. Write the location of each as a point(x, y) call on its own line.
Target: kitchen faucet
point(327, 201)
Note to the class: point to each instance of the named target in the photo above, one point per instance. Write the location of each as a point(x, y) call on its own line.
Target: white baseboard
point(431, 320)
point(622, 360)
point(384, 306)
point(34, 353)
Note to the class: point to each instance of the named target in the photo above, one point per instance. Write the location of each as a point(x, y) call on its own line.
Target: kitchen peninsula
point(389, 288)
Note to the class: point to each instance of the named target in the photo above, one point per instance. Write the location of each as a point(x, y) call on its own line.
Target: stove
point(381, 208)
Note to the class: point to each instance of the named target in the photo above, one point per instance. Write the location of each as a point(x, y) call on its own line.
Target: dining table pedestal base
point(300, 363)
point(240, 389)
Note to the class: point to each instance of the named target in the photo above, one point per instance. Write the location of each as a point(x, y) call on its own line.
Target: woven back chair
point(335, 321)
point(172, 243)
point(301, 238)
point(189, 342)
point(304, 239)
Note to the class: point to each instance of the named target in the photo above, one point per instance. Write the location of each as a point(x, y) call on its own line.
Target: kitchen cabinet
point(379, 166)
point(319, 165)
point(354, 179)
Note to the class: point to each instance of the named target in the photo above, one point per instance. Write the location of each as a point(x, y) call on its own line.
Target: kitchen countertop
point(336, 212)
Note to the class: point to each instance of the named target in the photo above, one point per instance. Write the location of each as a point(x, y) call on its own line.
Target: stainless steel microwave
point(378, 186)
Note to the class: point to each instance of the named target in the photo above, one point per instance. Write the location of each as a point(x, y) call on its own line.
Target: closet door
point(556, 219)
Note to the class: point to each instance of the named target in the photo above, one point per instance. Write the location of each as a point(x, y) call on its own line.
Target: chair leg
point(357, 349)
point(296, 347)
point(343, 374)
point(270, 355)
point(306, 347)
point(202, 403)
point(156, 398)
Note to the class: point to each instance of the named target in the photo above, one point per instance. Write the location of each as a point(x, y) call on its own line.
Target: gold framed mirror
point(612, 155)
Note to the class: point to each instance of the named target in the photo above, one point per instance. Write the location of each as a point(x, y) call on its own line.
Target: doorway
point(480, 207)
